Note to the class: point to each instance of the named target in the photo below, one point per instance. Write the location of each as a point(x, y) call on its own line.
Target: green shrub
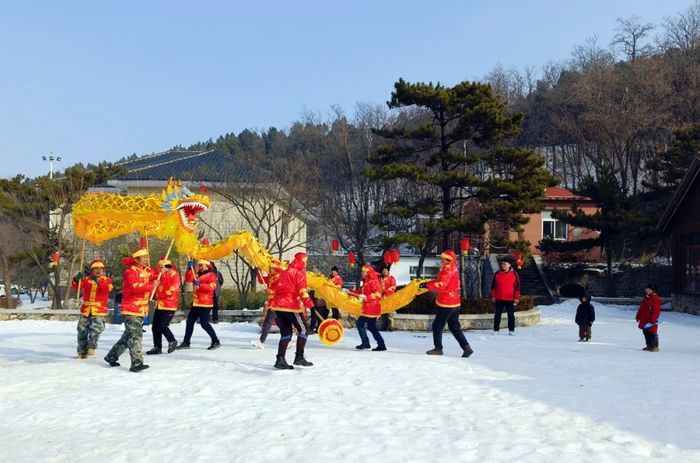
point(231, 299)
point(424, 304)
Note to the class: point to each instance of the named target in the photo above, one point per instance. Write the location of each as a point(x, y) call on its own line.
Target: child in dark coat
point(585, 316)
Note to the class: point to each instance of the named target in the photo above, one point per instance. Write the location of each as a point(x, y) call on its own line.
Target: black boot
point(112, 363)
point(214, 345)
point(379, 349)
point(154, 351)
point(435, 351)
point(172, 346)
point(183, 345)
point(467, 351)
point(281, 363)
point(138, 366)
point(363, 346)
point(301, 361)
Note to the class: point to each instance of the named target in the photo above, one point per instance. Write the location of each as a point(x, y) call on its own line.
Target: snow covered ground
point(539, 396)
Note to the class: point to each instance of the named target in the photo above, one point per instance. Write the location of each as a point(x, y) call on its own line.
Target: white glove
point(362, 297)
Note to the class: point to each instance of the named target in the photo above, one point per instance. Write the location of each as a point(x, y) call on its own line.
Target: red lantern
point(55, 257)
point(205, 242)
point(464, 245)
point(395, 256)
point(335, 245)
point(387, 257)
point(203, 189)
point(519, 260)
point(352, 260)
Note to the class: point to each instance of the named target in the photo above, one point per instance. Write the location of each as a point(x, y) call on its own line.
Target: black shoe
point(467, 351)
point(136, 367)
point(379, 349)
point(154, 351)
point(172, 346)
point(112, 363)
point(434, 352)
point(301, 361)
point(363, 346)
point(214, 345)
point(183, 345)
point(281, 363)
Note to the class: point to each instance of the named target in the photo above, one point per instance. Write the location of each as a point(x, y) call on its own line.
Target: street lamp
point(51, 159)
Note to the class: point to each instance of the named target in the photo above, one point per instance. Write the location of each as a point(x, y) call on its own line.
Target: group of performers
point(288, 302)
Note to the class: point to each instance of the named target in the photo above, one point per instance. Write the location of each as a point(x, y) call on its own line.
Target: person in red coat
point(269, 316)
point(505, 294)
point(648, 318)
point(137, 285)
point(95, 288)
point(448, 301)
point(168, 301)
point(290, 301)
point(388, 282)
point(371, 295)
point(337, 280)
point(204, 286)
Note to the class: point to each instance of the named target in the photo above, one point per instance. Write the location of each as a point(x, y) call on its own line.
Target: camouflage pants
point(131, 339)
point(89, 330)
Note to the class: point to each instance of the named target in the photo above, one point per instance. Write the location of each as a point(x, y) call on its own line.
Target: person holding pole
point(204, 285)
point(168, 298)
point(136, 293)
point(448, 303)
point(370, 293)
point(96, 288)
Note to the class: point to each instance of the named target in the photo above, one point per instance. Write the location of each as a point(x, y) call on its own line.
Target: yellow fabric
point(98, 217)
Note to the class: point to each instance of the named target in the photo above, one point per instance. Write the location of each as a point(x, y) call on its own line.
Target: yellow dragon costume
point(98, 217)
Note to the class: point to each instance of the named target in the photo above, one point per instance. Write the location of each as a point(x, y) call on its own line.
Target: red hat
point(448, 255)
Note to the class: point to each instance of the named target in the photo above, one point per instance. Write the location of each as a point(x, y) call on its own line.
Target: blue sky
point(93, 81)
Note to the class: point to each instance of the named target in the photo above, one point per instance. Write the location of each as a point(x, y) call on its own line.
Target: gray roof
point(204, 166)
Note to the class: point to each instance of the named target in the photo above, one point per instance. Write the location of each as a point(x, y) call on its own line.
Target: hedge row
point(424, 304)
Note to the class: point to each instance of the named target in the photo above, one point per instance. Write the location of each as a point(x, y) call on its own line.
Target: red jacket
point(372, 289)
point(388, 285)
point(168, 291)
point(95, 294)
point(649, 312)
point(204, 292)
point(447, 287)
point(290, 292)
point(506, 286)
point(338, 281)
point(136, 290)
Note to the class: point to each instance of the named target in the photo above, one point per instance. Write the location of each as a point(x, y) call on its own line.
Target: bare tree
point(682, 31)
point(629, 37)
point(11, 245)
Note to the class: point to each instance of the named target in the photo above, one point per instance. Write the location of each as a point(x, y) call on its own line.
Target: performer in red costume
point(371, 295)
point(95, 288)
point(448, 301)
point(168, 297)
point(204, 285)
point(136, 292)
point(290, 301)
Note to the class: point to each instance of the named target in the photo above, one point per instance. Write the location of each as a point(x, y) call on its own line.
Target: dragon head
point(178, 198)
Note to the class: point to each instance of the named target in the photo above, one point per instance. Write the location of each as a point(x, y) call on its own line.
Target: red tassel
point(335, 245)
point(143, 242)
point(464, 246)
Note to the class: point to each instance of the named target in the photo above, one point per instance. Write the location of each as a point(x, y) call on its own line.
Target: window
point(552, 228)
point(690, 263)
point(428, 272)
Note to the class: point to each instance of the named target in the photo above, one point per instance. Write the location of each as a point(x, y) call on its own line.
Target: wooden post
point(170, 248)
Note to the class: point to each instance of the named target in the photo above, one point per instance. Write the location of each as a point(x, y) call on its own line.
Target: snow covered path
point(537, 397)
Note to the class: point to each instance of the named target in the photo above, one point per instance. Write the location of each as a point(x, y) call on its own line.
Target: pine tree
point(455, 151)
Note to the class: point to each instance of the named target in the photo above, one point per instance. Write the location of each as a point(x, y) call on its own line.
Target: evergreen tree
point(455, 152)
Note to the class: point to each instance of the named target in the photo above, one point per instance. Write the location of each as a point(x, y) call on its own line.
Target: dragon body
point(172, 215)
